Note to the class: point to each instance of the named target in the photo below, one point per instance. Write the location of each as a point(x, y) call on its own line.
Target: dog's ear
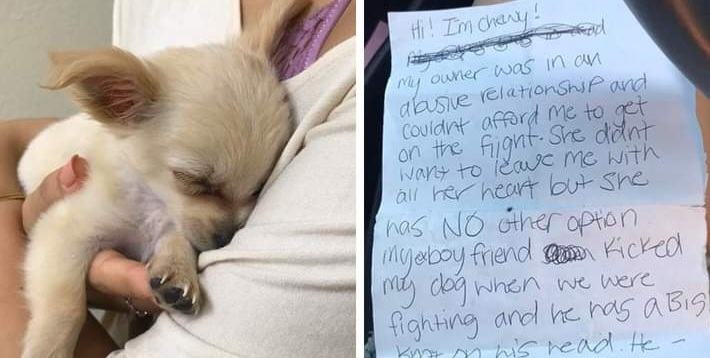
point(264, 37)
point(112, 85)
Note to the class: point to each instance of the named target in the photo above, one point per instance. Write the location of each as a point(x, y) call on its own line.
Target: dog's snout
point(224, 236)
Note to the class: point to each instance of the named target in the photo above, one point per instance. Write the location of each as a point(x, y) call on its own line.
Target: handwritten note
point(543, 181)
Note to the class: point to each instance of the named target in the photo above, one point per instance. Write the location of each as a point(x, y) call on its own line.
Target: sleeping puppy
point(178, 146)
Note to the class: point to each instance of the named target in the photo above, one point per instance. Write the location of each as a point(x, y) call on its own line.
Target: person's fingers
point(113, 274)
point(63, 181)
point(107, 302)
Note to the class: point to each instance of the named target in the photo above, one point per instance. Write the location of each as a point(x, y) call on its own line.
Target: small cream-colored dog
point(178, 146)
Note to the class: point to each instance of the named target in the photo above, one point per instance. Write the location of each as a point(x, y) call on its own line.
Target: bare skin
point(111, 276)
point(13, 139)
point(344, 29)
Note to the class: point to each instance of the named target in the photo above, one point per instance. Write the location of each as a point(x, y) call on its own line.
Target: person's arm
point(14, 136)
point(111, 276)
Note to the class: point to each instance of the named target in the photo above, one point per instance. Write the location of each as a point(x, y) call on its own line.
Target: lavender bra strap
point(303, 41)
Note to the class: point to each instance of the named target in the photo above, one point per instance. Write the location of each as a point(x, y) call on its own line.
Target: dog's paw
point(175, 286)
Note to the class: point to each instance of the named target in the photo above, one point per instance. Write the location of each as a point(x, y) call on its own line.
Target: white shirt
point(285, 286)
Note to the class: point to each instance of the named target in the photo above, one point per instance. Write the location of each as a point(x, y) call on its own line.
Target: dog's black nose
point(223, 236)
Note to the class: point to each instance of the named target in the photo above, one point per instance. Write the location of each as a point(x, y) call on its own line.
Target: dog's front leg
point(173, 274)
point(59, 252)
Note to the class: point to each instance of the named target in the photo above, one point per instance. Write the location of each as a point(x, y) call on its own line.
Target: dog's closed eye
point(195, 185)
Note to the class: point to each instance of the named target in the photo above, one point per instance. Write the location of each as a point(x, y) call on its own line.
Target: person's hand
point(112, 277)
point(59, 183)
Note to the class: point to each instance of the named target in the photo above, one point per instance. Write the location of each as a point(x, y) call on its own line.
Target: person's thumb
point(63, 181)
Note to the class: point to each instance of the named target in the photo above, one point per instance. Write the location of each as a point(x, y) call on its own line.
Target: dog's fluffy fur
point(178, 146)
